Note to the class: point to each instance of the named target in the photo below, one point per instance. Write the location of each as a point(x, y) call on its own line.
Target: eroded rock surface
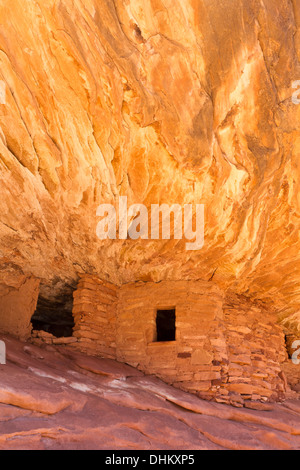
point(165, 102)
point(54, 398)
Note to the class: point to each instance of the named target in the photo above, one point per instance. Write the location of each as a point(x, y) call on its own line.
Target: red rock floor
point(58, 399)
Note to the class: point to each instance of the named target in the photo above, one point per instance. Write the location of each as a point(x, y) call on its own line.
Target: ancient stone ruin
point(150, 207)
point(191, 334)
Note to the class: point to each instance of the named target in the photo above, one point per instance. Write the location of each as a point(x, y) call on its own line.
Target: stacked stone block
point(256, 349)
point(227, 348)
point(94, 311)
point(192, 362)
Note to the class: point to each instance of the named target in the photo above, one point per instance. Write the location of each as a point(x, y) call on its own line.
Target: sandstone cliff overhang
point(175, 102)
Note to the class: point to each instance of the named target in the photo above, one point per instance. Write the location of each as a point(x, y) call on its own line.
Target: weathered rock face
point(78, 402)
point(17, 304)
point(163, 102)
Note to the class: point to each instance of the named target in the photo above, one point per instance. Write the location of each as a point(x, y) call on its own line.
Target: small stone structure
point(226, 347)
point(95, 314)
point(218, 345)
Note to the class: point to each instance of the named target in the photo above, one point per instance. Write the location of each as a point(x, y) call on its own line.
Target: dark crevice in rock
point(54, 315)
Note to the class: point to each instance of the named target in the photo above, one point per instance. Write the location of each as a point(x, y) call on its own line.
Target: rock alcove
point(163, 102)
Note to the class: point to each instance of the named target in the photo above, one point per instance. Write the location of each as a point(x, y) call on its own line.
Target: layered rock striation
point(163, 102)
point(79, 402)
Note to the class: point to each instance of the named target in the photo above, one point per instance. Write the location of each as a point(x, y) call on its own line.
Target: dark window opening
point(54, 316)
point(165, 325)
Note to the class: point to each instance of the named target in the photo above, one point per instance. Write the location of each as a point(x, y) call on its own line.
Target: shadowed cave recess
point(54, 315)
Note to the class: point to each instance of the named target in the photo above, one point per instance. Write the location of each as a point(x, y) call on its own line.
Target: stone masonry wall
point(256, 348)
point(226, 348)
point(94, 311)
point(193, 361)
